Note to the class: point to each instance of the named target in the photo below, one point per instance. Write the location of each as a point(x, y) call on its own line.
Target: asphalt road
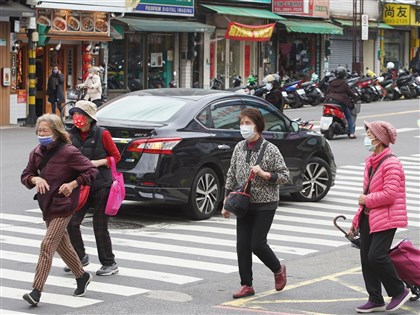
point(169, 265)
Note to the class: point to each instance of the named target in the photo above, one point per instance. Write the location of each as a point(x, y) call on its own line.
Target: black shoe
point(32, 297)
point(84, 261)
point(82, 284)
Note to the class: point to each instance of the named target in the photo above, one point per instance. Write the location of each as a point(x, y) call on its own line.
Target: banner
point(259, 33)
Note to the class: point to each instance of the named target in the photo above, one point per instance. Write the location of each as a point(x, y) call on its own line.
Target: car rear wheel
point(204, 196)
point(317, 180)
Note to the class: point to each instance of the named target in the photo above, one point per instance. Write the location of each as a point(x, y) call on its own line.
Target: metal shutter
point(341, 54)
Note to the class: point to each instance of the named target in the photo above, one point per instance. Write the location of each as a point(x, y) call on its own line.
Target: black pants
point(251, 237)
point(97, 199)
point(377, 267)
point(54, 105)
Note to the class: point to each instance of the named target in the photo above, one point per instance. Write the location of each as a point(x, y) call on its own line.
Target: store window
point(160, 60)
point(116, 65)
point(135, 67)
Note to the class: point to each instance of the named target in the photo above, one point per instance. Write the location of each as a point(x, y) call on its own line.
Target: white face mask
point(269, 86)
point(247, 131)
point(368, 144)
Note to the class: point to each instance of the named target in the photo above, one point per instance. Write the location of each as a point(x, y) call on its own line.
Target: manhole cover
point(118, 225)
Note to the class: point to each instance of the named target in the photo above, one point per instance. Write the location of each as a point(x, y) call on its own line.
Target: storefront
point(302, 38)
point(244, 56)
point(401, 43)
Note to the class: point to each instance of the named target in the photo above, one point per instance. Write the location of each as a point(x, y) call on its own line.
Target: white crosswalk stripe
point(185, 252)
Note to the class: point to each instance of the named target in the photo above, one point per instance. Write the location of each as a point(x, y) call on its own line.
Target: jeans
point(349, 118)
point(97, 199)
point(251, 237)
point(377, 267)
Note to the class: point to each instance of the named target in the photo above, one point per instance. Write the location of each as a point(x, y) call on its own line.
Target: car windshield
point(142, 108)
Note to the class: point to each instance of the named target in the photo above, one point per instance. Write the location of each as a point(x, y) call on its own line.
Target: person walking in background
point(97, 145)
point(55, 89)
point(415, 63)
point(252, 230)
point(274, 95)
point(382, 209)
point(56, 169)
point(93, 86)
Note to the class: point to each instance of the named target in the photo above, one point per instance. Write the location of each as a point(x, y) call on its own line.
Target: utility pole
point(357, 65)
point(32, 40)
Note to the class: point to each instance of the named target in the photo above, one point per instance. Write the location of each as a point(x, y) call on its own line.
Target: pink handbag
point(117, 191)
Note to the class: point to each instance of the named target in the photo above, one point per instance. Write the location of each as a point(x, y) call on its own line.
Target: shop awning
point(349, 23)
point(255, 13)
point(13, 9)
point(168, 26)
point(311, 27)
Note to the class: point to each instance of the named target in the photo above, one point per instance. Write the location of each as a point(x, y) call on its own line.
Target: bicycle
point(73, 95)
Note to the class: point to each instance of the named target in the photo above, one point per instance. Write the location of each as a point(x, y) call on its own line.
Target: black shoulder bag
point(237, 202)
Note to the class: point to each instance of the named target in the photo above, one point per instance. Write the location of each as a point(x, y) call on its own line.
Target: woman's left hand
point(258, 171)
point(66, 189)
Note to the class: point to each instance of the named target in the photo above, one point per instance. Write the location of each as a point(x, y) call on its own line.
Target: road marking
point(129, 272)
point(65, 282)
point(390, 114)
point(50, 298)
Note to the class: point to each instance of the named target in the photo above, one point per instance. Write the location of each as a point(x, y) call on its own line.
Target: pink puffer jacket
point(386, 198)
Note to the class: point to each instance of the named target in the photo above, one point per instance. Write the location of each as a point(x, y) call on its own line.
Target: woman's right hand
point(225, 213)
point(352, 232)
point(41, 184)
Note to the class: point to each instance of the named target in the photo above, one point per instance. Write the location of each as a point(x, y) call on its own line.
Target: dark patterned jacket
point(262, 191)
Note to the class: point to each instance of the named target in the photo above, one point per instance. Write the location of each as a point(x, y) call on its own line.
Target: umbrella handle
point(337, 226)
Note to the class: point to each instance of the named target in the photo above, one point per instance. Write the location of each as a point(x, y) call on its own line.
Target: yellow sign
point(401, 14)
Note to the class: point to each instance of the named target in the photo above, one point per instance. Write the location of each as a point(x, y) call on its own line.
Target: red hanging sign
point(258, 33)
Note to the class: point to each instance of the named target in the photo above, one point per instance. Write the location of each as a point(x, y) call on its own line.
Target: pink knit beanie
point(383, 131)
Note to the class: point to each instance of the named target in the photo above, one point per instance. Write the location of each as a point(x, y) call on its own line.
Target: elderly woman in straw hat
point(97, 145)
point(382, 209)
point(93, 86)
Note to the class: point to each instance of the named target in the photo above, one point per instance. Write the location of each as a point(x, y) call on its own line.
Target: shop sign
point(74, 22)
point(310, 8)
point(259, 33)
point(397, 14)
point(156, 60)
point(168, 7)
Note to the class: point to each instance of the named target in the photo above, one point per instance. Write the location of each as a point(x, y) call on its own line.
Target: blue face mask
point(247, 131)
point(45, 140)
point(368, 144)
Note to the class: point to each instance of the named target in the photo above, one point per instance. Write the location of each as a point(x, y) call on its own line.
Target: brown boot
point(280, 278)
point(244, 291)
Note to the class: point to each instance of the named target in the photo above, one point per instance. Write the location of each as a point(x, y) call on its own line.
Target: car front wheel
point(317, 181)
point(204, 196)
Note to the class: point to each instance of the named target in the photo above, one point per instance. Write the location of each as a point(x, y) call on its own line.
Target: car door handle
point(223, 147)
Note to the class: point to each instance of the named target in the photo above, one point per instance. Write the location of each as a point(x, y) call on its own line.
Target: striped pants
point(56, 240)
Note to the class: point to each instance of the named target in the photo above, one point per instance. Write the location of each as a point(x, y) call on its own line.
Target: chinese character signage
point(311, 8)
point(260, 33)
point(74, 22)
point(168, 7)
point(401, 14)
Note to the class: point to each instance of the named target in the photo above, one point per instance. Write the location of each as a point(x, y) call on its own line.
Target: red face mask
point(80, 121)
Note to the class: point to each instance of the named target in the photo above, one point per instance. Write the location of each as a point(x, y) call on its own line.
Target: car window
point(225, 115)
point(204, 117)
point(142, 108)
point(273, 120)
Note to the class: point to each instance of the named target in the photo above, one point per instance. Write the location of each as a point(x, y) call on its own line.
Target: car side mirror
point(294, 126)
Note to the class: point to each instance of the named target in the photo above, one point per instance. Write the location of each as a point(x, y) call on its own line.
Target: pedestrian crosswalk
point(182, 253)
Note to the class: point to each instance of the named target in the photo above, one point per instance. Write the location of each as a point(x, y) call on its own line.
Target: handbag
point(83, 196)
point(117, 191)
point(237, 202)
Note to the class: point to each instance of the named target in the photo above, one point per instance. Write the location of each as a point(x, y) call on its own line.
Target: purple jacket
point(386, 198)
point(66, 165)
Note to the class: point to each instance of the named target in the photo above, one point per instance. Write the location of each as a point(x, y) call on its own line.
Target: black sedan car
point(176, 146)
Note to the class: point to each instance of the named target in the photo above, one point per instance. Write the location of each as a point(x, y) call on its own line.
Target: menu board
point(74, 22)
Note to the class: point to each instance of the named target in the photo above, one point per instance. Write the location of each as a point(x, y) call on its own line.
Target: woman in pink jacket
point(382, 209)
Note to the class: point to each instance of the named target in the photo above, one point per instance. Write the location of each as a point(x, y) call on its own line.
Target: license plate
point(300, 92)
point(284, 93)
point(325, 122)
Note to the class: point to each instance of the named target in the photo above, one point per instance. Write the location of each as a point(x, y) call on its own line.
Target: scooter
point(333, 120)
point(293, 93)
